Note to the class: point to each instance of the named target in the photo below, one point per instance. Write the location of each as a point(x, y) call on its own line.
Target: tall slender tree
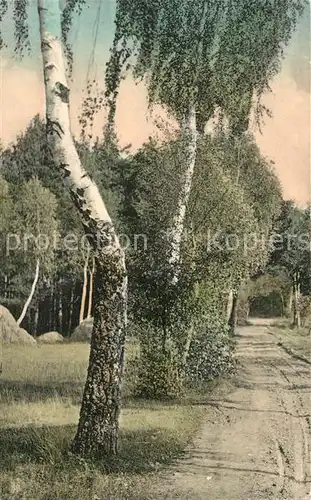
point(197, 57)
point(98, 425)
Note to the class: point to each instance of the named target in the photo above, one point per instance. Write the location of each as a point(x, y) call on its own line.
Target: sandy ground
point(255, 443)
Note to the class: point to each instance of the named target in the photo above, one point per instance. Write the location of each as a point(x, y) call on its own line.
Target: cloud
point(22, 96)
point(285, 139)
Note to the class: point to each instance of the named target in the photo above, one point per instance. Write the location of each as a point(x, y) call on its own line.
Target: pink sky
point(285, 139)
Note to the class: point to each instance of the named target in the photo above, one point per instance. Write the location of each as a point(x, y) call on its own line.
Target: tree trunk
point(233, 315)
point(84, 289)
point(71, 308)
point(97, 431)
point(283, 304)
point(229, 304)
point(36, 319)
point(187, 346)
point(190, 148)
point(50, 316)
point(5, 294)
point(60, 308)
point(52, 308)
point(32, 291)
point(90, 301)
point(297, 316)
point(289, 307)
point(189, 336)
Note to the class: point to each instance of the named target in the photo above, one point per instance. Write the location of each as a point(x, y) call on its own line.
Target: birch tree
point(33, 226)
point(97, 431)
point(171, 42)
point(197, 57)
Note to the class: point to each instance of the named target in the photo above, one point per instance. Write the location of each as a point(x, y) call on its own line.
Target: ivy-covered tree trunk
point(97, 431)
point(234, 313)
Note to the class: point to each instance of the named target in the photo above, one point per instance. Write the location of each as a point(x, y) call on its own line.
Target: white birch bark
point(32, 291)
point(190, 138)
point(190, 134)
point(85, 192)
point(97, 431)
point(229, 303)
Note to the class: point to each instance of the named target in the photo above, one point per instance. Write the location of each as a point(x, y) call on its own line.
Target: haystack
point(83, 332)
point(10, 332)
point(50, 338)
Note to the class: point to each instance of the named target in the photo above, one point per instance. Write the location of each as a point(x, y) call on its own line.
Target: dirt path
point(255, 443)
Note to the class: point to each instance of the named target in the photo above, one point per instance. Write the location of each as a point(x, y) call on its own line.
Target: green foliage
point(21, 33)
point(28, 235)
point(35, 222)
point(71, 7)
point(267, 306)
point(5, 206)
point(211, 351)
point(172, 43)
point(4, 4)
point(214, 54)
point(269, 293)
point(150, 184)
point(22, 28)
point(142, 191)
point(296, 242)
point(59, 286)
point(285, 285)
point(250, 53)
point(247, 167)
point(159, 374)
point(292, 252)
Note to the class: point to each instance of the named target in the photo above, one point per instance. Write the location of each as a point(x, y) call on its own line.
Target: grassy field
point(40, 394)
point(298, 341)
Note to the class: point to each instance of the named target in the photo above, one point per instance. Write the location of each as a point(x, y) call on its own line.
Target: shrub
point(211, 351)
point(158, 368)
